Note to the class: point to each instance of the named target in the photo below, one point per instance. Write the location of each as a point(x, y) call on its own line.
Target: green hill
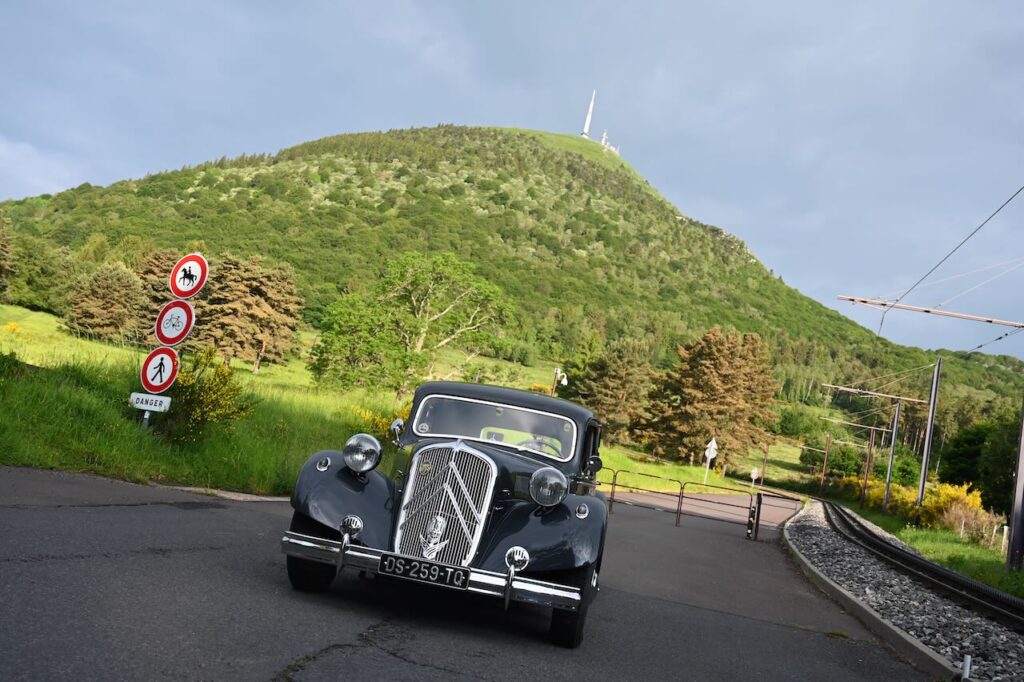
point(581, 245)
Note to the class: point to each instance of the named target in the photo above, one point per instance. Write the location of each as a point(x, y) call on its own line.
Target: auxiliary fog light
point(517, 558)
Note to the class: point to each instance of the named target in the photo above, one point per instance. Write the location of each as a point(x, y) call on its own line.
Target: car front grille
point(445, 504)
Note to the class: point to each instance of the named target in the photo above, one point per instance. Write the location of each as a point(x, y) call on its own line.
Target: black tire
point(567, 626)
point(306, 575)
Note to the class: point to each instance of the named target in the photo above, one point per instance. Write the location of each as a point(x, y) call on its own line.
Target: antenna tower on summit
point(590, 113)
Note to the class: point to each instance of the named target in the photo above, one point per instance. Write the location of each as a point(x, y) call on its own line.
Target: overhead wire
point(941, 280)
point(948, 255)
point(893, 374)
point(998, 338)
point(978, 286)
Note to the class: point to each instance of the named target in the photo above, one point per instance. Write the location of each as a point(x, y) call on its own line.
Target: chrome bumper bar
point(508, 586)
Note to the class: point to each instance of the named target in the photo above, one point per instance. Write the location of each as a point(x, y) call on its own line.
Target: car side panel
point(328, 496)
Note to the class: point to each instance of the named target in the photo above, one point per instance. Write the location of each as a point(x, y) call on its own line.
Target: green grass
point(946, 547)
point(628, 463)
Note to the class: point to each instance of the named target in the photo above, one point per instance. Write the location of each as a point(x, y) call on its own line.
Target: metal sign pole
point(892, 456)
point(1015, 554)
point(933, 401)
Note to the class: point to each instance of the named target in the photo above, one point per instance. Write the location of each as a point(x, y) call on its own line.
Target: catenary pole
point(892, 456)
point(867, 470)
point(929, 432)
point(1015, 554)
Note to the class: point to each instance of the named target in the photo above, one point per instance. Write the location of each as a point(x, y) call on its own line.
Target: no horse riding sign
point(188, 275)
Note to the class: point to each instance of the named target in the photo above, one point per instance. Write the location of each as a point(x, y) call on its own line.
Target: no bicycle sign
point(174, 322)
point(159, 370)
point(188, 275)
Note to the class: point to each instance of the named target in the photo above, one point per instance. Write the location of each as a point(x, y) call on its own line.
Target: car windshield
point(540, 433)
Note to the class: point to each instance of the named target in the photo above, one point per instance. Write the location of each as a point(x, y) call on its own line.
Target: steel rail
point(999, 606)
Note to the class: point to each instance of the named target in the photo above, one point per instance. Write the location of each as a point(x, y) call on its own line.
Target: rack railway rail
point(999, 606)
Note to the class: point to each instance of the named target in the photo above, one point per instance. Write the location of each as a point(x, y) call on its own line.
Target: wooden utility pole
point(824, 464)
point(867, 470)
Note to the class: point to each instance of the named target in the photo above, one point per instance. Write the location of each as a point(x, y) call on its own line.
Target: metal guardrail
point(753, 508)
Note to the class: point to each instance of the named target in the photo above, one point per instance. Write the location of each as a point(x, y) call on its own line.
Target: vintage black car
point(498, 499)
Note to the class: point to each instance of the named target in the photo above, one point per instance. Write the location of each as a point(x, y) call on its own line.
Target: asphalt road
point(105, 580)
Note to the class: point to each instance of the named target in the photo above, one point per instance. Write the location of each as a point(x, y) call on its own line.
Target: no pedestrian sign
point(174, 322)
point(189, 275)
point(159, 370)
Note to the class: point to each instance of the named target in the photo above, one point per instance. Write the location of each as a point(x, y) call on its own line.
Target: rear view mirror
point(396, 430)
point(594, 464)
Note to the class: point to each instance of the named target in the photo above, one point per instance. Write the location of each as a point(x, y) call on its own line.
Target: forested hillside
point(583, 250)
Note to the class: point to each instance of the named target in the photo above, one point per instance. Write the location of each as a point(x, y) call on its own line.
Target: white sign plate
point(153, 403)
point(711, 451)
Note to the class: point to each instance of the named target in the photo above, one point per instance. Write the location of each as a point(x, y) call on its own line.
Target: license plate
point(424, 571)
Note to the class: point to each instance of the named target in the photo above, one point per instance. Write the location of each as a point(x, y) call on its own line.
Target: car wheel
point(567, 626)
point(306, 575)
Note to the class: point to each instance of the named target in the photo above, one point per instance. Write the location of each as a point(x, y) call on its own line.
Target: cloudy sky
point(851, 145)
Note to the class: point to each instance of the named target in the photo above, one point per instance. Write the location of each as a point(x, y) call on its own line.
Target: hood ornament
point(432, 544)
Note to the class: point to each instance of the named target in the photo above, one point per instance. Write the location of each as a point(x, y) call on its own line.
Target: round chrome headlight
point(361, 453)
point(548, 486)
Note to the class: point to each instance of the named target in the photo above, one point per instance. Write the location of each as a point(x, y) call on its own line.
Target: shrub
point(207, 392)
point(977, 524)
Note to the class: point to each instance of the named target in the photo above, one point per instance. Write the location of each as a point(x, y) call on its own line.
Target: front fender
point(328, 496)
point(556, 539)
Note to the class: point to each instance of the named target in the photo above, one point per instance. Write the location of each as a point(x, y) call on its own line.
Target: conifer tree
point(250, 312)
point(105, 304)
point(722, 388)
point(614, 385)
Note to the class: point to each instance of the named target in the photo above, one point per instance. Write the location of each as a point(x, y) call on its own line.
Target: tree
point(438, 300)
point(358, 346)
point(998, 462)
point(614, 385)
point(6, 254)
point(250, 312)
point(42, 276)
point(422, 304)
point(961, 458)
point(722, 388)
point(105, 305)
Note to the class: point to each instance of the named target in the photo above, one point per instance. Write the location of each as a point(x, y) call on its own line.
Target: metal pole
point(145, 419)
point(824, 464)
point(892, 456)
point(611, 499)
point(757, 516)
point(764, 466)
point(933, 402)
point(867, 469)
point(1015, 555)
point(679, 505)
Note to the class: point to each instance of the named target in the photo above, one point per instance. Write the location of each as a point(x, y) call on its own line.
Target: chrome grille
point(455, 484)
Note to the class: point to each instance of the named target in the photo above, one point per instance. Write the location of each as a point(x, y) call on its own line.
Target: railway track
point(999, 606)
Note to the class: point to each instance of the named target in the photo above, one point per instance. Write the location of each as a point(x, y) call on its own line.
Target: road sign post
point(710, 452)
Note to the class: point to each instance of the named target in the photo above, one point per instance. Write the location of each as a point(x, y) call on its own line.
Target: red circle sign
point(159, 370)
point(188, 275)
point(174, 322)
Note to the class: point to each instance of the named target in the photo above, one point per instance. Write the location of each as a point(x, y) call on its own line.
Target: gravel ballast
point(946, 627)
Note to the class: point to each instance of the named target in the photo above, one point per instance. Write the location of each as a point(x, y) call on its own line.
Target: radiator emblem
point(432, 544)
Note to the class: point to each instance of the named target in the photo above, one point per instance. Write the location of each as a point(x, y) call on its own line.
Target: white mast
point(590, 113)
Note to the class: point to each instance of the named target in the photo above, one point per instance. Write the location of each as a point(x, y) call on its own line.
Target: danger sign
point(159, 370)
point(188, 276)
point(174, 322)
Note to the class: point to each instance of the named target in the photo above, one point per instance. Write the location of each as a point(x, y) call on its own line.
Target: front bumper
point(508, 586)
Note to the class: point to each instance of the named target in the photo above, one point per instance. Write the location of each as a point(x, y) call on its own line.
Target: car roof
point(509, 396)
